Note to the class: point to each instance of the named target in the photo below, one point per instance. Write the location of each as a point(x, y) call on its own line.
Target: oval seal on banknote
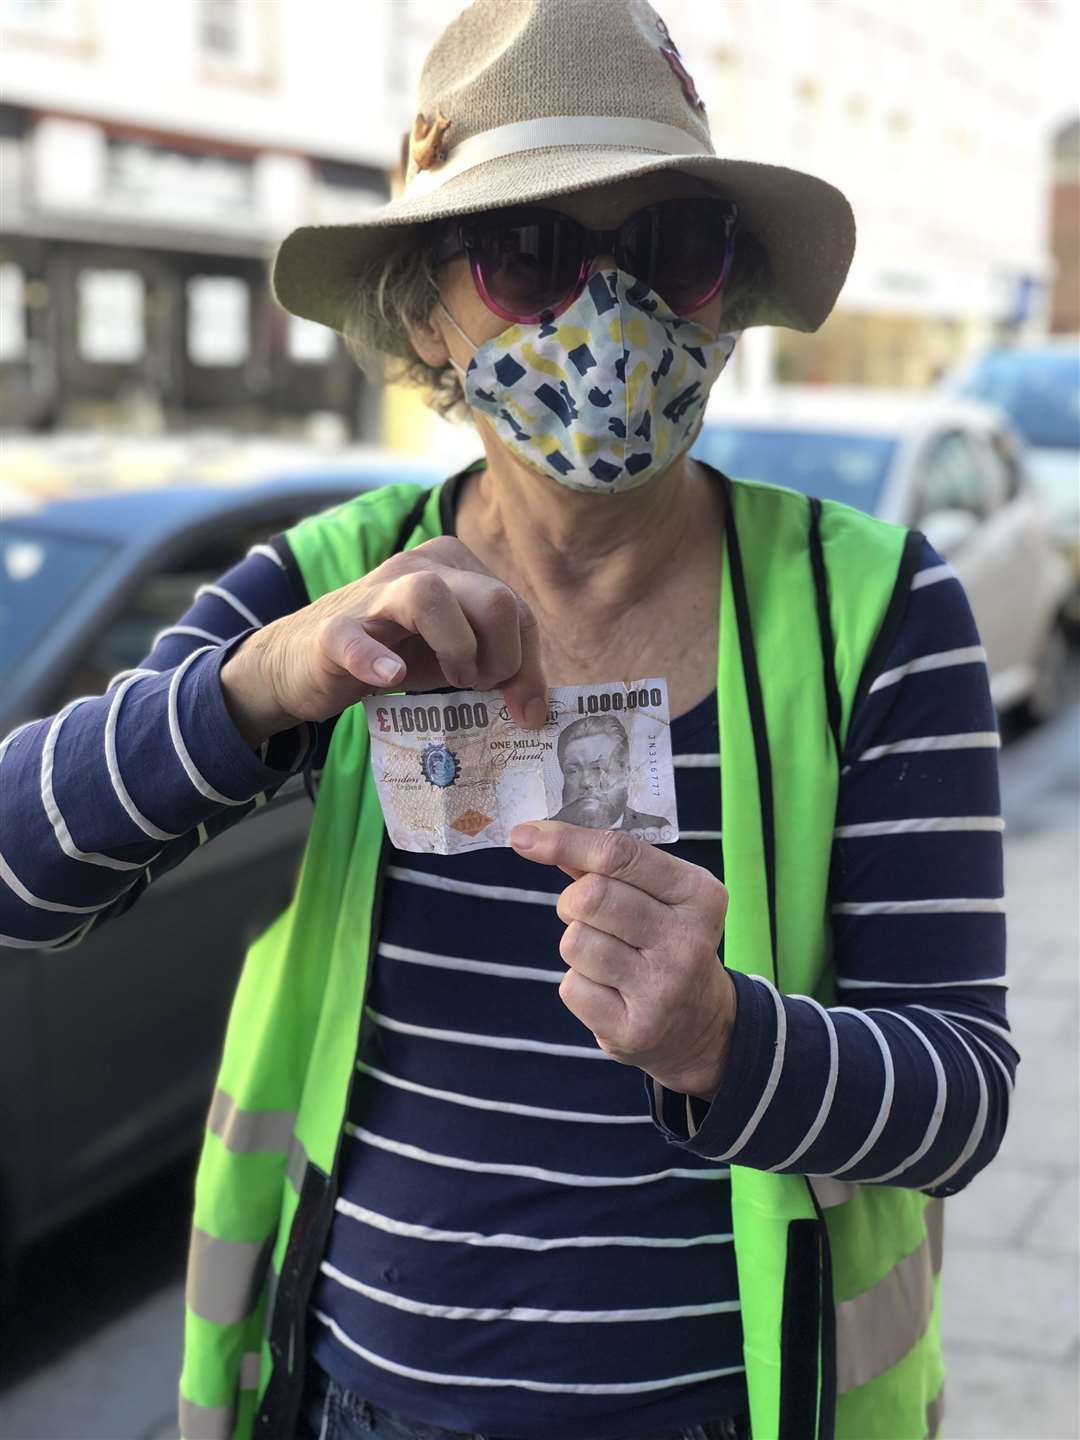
point(440, 766)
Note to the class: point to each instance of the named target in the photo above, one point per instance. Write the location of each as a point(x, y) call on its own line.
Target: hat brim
point(804, 225)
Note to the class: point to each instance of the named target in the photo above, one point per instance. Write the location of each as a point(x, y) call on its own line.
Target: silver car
point(1038, 387)
point(954, 469)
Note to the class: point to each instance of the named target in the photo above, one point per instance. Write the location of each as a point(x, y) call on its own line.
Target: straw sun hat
point(521, 100)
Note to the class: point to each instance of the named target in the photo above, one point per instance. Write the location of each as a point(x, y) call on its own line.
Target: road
point(92, 1353)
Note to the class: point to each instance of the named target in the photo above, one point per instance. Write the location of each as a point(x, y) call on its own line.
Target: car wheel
point(1047, 695)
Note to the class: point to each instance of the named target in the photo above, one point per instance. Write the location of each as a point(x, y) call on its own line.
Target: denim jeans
point(329, 1412)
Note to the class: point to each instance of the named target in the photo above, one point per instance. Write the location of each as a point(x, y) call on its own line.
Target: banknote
point(455, 773)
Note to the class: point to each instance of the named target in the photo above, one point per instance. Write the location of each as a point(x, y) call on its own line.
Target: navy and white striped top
point(508, 1210)
point(439, 1276)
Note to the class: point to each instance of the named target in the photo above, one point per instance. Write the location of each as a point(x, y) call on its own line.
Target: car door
point(954, 481)
point(129, 1023)
point(1031, 570)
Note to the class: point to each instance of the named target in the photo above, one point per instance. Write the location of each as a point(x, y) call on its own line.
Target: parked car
point(953, 468)
point(108, 1051)
point(1038, 387)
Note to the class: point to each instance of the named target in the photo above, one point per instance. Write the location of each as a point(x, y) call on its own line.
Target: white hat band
point(626, 133)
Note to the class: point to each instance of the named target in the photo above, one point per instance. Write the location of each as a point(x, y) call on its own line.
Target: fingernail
point(386, 667)
point(524, 837)
point(536, 712)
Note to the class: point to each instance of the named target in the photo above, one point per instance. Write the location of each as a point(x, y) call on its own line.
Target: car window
point(42, 573)
point(1005, 463)
point(833, 465)
point(1040, 391)
point(952, 477)
point(159, 602)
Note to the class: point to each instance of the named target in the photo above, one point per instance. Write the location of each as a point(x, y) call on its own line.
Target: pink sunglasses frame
point(461, 238)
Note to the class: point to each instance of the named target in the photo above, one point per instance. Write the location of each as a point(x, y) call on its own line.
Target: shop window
point(12, 314)
point(176, 185)
point(308, 343)
point(218, 320)
point(111, 311)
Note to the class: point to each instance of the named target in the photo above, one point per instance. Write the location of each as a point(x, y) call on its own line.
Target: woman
point(654, 1191)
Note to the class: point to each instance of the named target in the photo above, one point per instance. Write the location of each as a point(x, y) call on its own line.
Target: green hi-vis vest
point(838, 1282)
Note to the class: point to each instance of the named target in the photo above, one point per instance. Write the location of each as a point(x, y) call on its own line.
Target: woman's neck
point(606, 552)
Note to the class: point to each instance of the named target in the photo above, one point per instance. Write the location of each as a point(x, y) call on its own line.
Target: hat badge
point(425, 142)
point(670, 52)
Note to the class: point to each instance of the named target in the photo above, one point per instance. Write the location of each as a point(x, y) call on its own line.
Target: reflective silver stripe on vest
point(875, 1330)
point(224, 1277)
point(830, 1192)
point(249, 1132)
point(935, 1414)
point(250, 1367)
point(201, 1422)
point(934, 1219)
point(296, 1164)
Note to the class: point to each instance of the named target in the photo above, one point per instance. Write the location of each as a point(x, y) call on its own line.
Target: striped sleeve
point(906, 1080)
point(115, 789)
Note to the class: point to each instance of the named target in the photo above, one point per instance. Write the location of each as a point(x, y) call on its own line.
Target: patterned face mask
point(604, 397)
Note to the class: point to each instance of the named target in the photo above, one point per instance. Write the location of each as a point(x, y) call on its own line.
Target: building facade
point(934, 120)
point(151, 158)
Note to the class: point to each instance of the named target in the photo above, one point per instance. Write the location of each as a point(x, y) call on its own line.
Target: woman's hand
point(431, 617)
point(642, 932)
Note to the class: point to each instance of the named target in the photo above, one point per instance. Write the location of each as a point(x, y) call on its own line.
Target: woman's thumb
point(349, 646)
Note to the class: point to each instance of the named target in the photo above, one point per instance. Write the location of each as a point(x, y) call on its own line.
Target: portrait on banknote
point(455, 773)
point(594, 757)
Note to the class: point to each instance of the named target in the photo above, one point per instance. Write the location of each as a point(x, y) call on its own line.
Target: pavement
point(1012, 1238)
point(1012, 1268)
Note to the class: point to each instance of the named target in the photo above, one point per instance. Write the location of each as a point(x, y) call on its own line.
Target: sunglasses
point(529, 264)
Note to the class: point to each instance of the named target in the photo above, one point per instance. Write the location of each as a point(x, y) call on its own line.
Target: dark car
point(108, 1050)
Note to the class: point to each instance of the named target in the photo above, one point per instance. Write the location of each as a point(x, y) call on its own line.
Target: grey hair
point(401, 290)
point(398, 293)
point(609, 725)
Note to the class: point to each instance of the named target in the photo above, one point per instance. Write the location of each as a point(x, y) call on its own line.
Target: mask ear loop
point(439, 304)
point(461, 331)
point(467, 338)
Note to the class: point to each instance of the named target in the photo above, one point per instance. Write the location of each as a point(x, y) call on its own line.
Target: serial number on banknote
point(455, 773)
